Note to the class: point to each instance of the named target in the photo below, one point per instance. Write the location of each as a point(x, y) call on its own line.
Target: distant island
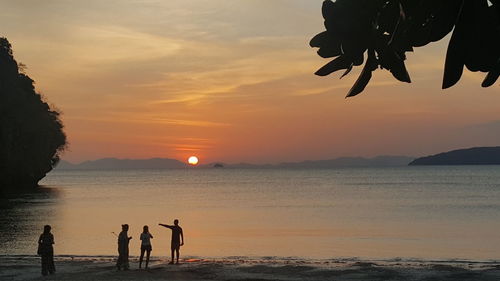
point(470, 156)
point(165, 163)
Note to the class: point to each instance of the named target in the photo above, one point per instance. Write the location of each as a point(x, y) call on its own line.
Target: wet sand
point(103, 268)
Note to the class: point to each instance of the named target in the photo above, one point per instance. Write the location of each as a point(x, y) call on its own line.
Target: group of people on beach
point(46, 249)
point(146, 247)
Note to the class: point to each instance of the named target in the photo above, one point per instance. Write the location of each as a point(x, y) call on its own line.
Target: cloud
point(108, 44)
point(125, 118)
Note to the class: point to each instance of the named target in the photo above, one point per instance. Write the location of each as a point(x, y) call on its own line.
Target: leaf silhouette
point(492, 76)
point(365, 76)
point(348, 70)
point(455, 56)
point(318, 40)
point(335, 65)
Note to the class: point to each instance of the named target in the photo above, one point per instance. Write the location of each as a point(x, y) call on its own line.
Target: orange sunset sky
point(230, 80)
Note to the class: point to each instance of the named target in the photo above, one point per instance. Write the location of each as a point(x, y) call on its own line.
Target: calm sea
point(406, 212)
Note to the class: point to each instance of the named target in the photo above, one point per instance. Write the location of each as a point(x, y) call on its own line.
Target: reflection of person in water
point(145, 245)
point(177, 239)
point(46, 251)
point(123, 241)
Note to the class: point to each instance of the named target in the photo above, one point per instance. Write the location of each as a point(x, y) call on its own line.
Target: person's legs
point(51, 267)
point(177, 251)
point(125, 260)
point(142, 256)
point(45, 262)
point(120, 260)
point(148, 253)
point(172, 260)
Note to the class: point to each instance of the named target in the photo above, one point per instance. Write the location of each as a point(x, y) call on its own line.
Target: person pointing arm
point(177, 239)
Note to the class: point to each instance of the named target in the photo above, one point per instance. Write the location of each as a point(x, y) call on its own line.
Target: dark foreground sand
point(102, 268)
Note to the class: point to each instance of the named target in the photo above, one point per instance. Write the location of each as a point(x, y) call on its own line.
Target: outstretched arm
point(165, 225)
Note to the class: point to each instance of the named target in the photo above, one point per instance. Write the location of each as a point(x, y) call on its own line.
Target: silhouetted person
point(123, 241)
point(177, 239)
point(46, 251)
point(145, 245)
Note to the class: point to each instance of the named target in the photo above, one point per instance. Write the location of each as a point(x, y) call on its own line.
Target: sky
point(230, 81)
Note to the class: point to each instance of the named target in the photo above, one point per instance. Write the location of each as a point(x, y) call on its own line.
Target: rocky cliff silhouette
point(31, 133)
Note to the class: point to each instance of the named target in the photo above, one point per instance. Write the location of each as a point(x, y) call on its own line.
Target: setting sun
point(193, 160)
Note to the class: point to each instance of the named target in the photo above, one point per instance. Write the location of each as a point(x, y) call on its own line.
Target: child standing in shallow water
point(145, 245)
point(46, 251)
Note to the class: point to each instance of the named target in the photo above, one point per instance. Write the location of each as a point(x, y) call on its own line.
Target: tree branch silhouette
point(387, 29)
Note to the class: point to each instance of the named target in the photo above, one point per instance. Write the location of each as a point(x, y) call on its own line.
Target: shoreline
point(27, 267)
point(267, 259)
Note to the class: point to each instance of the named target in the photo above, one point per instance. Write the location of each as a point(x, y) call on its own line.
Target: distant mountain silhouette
point(65, 165)
point(470, 156)
point(123, 164)
point(379, 161)
point(164, 163)
point(239, 166)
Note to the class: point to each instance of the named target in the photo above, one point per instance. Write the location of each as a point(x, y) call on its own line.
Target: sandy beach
point(242, 268)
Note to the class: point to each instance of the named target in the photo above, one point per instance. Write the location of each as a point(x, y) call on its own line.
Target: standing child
point(145, 245)
point(123, 241)
point(46, 251)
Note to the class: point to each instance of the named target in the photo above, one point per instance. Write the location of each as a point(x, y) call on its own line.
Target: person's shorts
point(147, 248)
point(175, 246)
